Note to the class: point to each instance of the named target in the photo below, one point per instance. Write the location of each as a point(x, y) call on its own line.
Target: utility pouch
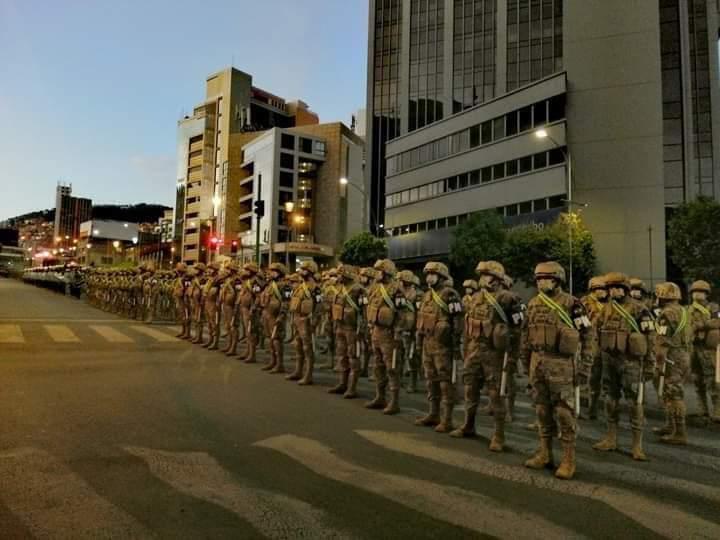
point(337, 312)
point(385, 317)
point(500, 337)
point(637, 344)
point(569, 341)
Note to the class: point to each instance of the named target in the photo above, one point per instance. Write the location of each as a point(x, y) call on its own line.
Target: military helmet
point(280, 268)
point(639, 284)
point(251, 268)
point(386, 266)
point(181, 267)
point(617, 279)
point(470, 284)
point(232, 266)
point(368, 272)
point(490, 268)
point(668, 291)
point(550, 269)
point(345, 271)
point(700, 286)
point(214, 266)
point(310, 266)
point(406, 276)
point(199, 267)
point(597, 282)
point(437, 268)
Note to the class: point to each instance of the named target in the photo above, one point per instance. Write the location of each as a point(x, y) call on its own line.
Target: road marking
point(61, 333)
point(11, 333)
point(157, 335)
point(110, 334)
point(274, 515)
point(656, 516)
point(448, 503)
point(51, 500)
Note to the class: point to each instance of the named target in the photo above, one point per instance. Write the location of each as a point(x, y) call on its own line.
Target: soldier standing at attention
point(305, 302)
point(227, 297)
point(196, 293)
point(367, 281)
point(513, 354)
point(211, 291)
point(248, 299)
point(179, 285)
point(625, 332)
point(409, 284)
point(672, 357)
point(274, 303)
point(557, 333)
point(492, 323)
point(346, 312)
point(382, 312)
point(594, 303)
point(705, 318)
point(470, 287)
point(439, 326)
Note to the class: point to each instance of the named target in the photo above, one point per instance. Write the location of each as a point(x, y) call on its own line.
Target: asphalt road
point(113, 429)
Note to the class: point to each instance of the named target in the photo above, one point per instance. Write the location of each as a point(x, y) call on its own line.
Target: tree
point(363, 249)
point(481, 237)
point(693, 239)
point(530, 244)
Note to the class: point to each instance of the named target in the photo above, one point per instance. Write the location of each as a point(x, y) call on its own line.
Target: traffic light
point(234, 247)
point(214, 242)
point(259, 208)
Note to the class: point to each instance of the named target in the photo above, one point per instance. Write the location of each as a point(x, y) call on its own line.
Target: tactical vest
point(435, 308)
point(346, 305)
point(619, 328)
point(271, 299)
point(382, 308)
point(706, 324)
point(674, 328)
point(484, 321)
point(302, 301)
point(551, 330)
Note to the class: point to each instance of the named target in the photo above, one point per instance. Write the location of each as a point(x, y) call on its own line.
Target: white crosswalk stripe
point(53, 502)
point(61, 333)
point(157, 335)
point(11, 333)
point(111, 334)
point(274, 515)
point(656, 516)
point(448, 503)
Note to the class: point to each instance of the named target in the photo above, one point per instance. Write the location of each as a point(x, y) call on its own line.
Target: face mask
point(431, 279)
point(546, 285)
point(698, 296)
point(274, 276)
point(637, 295)
point(601, 294)
point(485, 281)
point(617, 293)
point(469, 292)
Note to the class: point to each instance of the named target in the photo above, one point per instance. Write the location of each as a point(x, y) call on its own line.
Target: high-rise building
point(70, 212)
point(206, 183)
point(532, 107)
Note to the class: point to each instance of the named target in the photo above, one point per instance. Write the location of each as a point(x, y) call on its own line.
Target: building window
point(526, 164)
point(558, 201)
point(306, 145)
point(540, 160)
point(287, 141)
point(287, 161)
point(287, 179)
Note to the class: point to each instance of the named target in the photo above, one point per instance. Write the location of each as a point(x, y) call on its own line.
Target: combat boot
point(271, 364)
point(215, 341)
point(468, 427)
point(351, 391)
point(566, 470)
point(379, 401)
point(199, 336)
point(543, 456)
point(296, 375)
point(232, 345)
point(610, 441)
point(702, 405)
point(279, 363)
point(181, 334)
point(249, 357)
point(445, 425)
point(679, 433)
point(307, 379)
point(432, 418)
point(637, 450)
point(340, 387)
point(498, 439)
point(668, 427)
point(394, 406)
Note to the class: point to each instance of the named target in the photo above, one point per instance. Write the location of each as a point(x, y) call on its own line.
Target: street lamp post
point(543, 134)
point(345, 182)
point(289, 207)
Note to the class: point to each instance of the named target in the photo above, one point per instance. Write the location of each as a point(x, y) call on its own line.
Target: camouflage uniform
point(409, 283)
point(672, 351)
point(228, 307)
point(513, 354)
point(211, 291)
point(625, 332)
point(248, 301)
point(196, 301)
point(382, 315)
point(304, 305)
point(327, 332)
point(705, 319)
point(367, 281)
point(556, 332)
point(346, 312)
point(594, 302)
point(438, 334)
point(182, 311)
point(274, 303)
point(492, 323)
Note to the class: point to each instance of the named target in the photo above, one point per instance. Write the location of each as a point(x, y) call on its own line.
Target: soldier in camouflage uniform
point(407, 314)
point(211, 291)
point(274, 304)
point(182, 310)
point(594, 303)
point(625, 332)
point(304, 305)
point(492, 323)
point(439, 326)
point(367, 281)
point(326, 331)
point(228, 311)
point(470, 287)
point(555, 339)
point(196, 301)
point(153, 289)
point(248, 301)
point(513, 354)
point(705, 319)
point(672, 357)
point(346, 312)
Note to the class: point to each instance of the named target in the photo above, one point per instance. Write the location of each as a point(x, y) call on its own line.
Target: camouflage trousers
point(482, 367)
point(409, 355)
point(383, 346)
point(703, 371)
point(437, 360)
point(346, 341)
point(622, 377)
point(275, 333)
point(552, 380)
point(677, 371)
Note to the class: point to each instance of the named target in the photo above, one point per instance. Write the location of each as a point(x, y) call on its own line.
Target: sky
point(91, 90)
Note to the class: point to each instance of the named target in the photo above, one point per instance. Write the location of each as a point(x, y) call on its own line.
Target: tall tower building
point(533, 107)
point(70, 212)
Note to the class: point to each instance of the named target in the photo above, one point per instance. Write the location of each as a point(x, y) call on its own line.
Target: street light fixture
point(345, 182)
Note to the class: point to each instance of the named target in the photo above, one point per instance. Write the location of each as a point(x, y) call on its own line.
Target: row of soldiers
point(611, 342)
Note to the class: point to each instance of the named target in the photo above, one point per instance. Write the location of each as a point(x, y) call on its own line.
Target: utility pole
point(259, 213)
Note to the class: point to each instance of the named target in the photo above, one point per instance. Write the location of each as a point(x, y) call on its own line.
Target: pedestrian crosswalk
point(75, 332)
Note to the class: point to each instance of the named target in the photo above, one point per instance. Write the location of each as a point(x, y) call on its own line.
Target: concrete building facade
point(70, 212)
point(459, 90)
point(232, 106)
